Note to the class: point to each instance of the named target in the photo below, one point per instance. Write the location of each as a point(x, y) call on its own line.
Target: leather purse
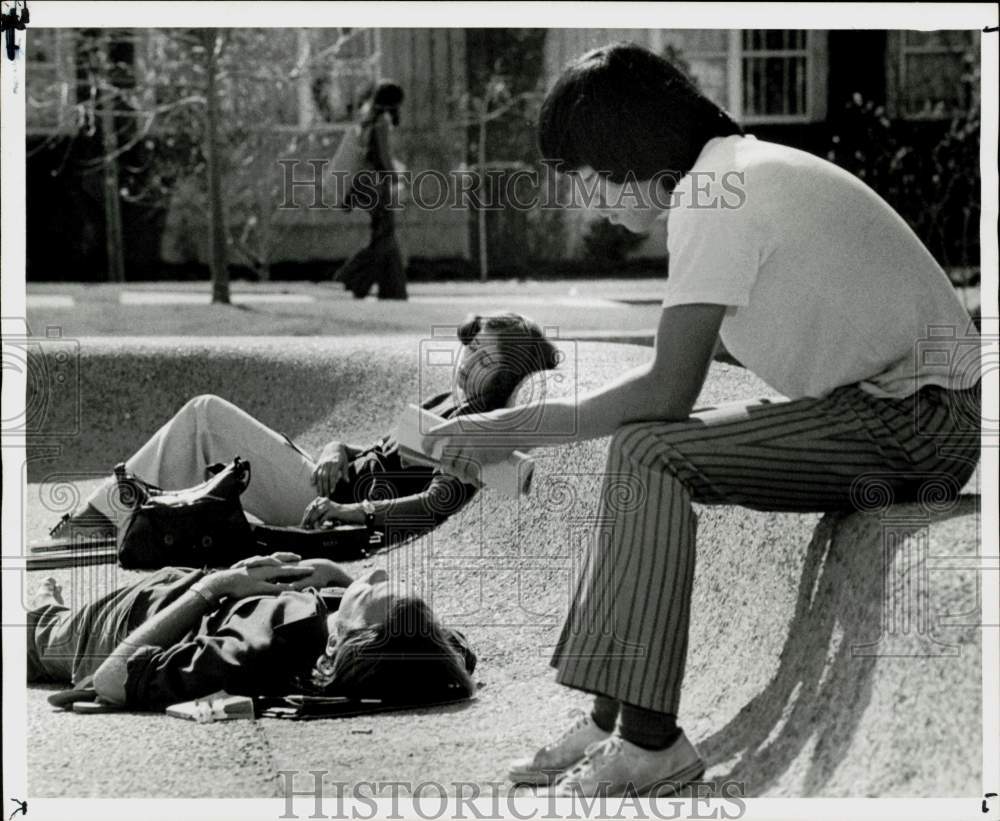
point(202, 526)
point(205, 526)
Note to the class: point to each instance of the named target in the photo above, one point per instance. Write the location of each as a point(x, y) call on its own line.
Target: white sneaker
point(617, 767)
point(565, 751)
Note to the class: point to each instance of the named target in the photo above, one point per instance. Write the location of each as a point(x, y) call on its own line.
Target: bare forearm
point(665, 389)
point(413, 506)
point(638, 395)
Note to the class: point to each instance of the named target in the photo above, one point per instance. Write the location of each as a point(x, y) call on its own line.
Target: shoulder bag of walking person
point(202, 526)
point(347, 161)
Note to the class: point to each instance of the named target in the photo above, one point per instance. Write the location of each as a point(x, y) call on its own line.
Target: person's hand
point(324, 574)
point(464, 444)
point(322, 510)
point(264, 579)
point(274, 560)
point(330, 468)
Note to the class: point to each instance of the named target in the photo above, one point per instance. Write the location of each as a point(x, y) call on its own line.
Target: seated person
point(265, 626)
point(346, 482)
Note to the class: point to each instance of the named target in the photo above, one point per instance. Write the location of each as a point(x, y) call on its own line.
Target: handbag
point(202, 526)
point(205, 526)
point(347, 161)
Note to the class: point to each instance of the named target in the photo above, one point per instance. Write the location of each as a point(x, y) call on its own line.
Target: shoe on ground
point(82, 525)
point(616, 767)
point(550, 761)
point(76, 531)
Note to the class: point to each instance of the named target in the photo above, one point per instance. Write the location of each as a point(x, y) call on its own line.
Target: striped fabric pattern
point(627, 630)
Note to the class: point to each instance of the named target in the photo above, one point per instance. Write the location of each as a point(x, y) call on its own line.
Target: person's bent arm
point(332, 466)
point(172, 623)
point(444, 497)
point(664, 389)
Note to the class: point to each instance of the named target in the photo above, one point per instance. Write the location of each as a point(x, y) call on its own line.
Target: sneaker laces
point(599, 750)
point(580, 719)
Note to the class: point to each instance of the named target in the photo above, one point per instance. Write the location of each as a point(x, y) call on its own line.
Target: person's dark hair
point(409, 659)
point(524, 348)
point(386, 96)
point(622, 110)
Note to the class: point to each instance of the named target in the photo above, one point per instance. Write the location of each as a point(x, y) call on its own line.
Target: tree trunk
point(265, 225)
point(216, 215)
point(481, 216)
point(114, 240)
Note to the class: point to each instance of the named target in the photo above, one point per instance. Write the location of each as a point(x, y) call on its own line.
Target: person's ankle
point(648, 729)
point(604, 712)
point(653, 745)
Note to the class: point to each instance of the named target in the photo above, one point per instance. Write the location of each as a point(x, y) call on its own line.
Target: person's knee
point(644, 445)
point(632, 441)
point(204, 403)
point(623, 439)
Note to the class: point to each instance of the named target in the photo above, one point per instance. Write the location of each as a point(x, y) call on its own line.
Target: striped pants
point(627, 630)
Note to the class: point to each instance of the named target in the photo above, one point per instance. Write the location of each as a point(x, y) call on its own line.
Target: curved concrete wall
point(829, 656)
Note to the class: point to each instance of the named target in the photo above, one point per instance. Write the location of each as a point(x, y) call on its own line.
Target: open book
point(218, 706)
point(511, 477)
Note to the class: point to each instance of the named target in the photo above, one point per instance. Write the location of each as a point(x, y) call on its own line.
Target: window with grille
point(933, 73)
point(758, 75)
point(775, 67)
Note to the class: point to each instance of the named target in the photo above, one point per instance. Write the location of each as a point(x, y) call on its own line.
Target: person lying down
point(268, 625)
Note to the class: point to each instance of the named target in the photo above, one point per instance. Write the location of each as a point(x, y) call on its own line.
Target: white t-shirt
point(827, 285)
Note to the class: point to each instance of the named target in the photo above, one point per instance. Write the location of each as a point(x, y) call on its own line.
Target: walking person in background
point(381, 260)
point(811, 281)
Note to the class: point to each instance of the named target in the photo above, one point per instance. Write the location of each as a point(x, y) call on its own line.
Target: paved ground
point(814, 694)
point(625, 308)
point(304, 308)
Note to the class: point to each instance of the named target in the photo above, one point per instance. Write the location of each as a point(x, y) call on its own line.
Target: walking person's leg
point(391, 276)
point(364, 266)
point(356, 268)
point(207, 430)
point(347, 272)
point(626, 633)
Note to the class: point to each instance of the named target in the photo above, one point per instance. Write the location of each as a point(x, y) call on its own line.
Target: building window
point(51, 82)
point(777, 75)
point(758, 75)
point(932, 72)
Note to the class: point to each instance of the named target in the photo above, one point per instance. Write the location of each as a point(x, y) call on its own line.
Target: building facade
point(791, 86)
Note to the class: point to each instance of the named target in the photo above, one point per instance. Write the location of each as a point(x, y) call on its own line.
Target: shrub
point(928, 171)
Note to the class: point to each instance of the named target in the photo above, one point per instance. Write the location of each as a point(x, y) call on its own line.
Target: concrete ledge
point(796, 683)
